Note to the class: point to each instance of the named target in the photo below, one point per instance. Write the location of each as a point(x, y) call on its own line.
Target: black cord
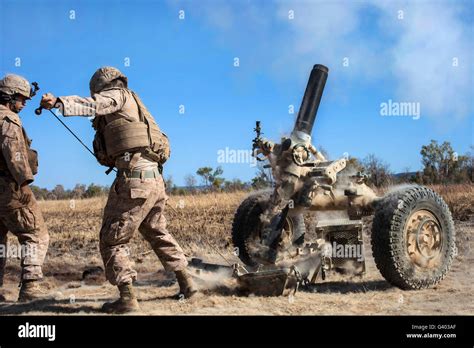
point(70, 131)
point(79, 140)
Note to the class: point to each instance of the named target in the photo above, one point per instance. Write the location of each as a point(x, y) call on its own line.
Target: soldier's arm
point(14, 152)
point(100, 104)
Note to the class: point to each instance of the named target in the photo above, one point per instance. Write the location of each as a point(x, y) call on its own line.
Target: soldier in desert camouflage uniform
point(19, 212)
point(128, 138)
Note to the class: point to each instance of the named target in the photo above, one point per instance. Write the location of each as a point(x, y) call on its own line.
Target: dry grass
point(200, 221)
point(201, 224)
point(459, 198)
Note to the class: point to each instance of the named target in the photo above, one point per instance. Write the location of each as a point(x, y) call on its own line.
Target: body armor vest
point(122, 135)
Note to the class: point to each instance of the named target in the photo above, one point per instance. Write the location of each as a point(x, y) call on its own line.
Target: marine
point(128, 138)
point(19, 211)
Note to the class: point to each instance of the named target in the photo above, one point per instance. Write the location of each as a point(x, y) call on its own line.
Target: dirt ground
point(73, 249)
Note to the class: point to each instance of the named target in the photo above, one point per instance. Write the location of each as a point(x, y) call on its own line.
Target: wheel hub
point(423, 239)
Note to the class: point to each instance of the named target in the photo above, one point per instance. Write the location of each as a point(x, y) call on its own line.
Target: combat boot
point(30, 290)
point(127, 303)
point(186, 284)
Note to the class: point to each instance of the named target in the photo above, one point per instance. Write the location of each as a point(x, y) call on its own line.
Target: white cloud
point(418, 52)
point(415, 54)
point(432, 36)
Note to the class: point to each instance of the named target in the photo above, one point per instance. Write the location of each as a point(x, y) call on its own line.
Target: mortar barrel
point(312, 98)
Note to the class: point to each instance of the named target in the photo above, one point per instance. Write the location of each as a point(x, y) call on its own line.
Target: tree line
point(78, 192)
point(441, 165)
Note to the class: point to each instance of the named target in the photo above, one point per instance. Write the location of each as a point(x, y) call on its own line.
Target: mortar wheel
point(413, 238)
point(247, 229)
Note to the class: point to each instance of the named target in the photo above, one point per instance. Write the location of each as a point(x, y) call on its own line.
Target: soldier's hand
point(26, 194)
point(48, 101)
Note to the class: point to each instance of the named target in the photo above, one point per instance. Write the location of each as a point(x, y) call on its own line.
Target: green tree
point(205, 173)
point(442, 164)
point(216, 179)
point(40, 193)
point(211, 177)
point(234, 185)
point(78, 191)
point(59, 192)
point(93, 191)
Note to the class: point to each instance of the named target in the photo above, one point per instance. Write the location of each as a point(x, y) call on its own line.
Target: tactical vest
point(32, 154)
point(117, 137)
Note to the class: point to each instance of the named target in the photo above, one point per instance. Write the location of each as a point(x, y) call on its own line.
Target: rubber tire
point(388, 241)
point(247, 217)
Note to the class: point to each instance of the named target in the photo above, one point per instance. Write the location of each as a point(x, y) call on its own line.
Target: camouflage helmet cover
point(103, 76)
point(13, 84)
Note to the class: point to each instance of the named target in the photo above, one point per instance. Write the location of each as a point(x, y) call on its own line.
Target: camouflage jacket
point(112, 104)
point(16, 158)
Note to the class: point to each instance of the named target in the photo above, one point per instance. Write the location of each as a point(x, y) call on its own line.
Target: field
point(202, 223)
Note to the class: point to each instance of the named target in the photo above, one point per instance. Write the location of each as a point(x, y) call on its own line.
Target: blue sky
point(402, 56)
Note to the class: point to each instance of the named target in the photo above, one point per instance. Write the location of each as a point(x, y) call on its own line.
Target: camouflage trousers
point(27, 224)
point(136, 204)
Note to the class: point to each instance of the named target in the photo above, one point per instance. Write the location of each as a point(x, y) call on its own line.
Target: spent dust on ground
point(74, 283)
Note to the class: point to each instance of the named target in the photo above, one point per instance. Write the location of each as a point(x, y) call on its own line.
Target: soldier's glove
point(25, 195)
point(48, 101)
